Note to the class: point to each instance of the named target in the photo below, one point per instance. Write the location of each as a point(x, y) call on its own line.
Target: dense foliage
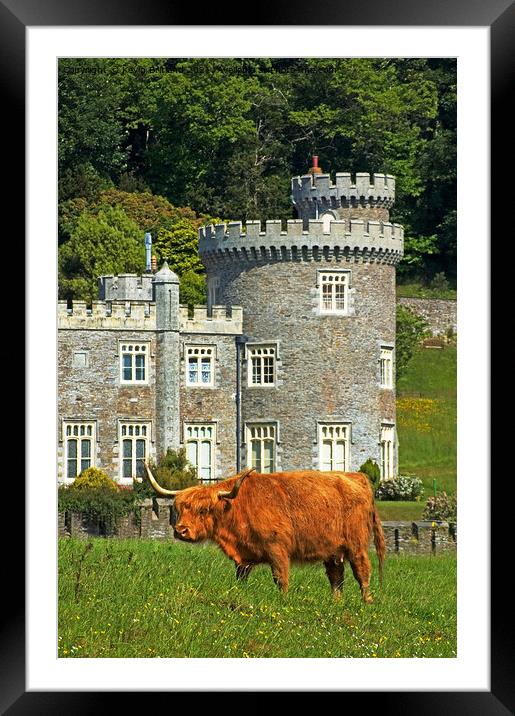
point(99, 498)
point(99, 504)
point(441, 507)
point(172, 143)
point(372, 471)
point(409, 330)
point(92, 478)
point(94, 495)
point(172, 471)
point(402, 488)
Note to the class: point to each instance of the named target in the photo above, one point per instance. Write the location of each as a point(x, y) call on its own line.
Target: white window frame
point(134, 348)
point(141, 430)
point(88, 428)
point(332, 279)
point(334, 433)
point(387, 450)
point(198, 352)
point(261, 433)
point(386, 367)
point(192, 435)
point(259, 354)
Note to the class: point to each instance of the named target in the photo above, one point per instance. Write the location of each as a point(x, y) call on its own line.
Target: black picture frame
point(499, 16)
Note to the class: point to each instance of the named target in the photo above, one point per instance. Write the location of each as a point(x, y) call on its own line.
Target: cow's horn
point(230, 495)
point(158, 488)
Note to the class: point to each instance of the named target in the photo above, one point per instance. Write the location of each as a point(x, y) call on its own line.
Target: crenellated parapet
point(126, 287)
point(339, 240)
point(107, 315)
point(219, 321)
point(365, 190)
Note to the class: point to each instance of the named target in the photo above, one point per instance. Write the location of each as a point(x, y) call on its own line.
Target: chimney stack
point(315, 169)
point(148, 250)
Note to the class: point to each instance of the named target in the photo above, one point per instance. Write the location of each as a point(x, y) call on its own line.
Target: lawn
point(426, 418)
point(410, 511)
point(417, 290)
point(123, 598)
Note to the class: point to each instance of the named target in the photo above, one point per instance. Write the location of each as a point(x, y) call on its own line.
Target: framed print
point(40, 678)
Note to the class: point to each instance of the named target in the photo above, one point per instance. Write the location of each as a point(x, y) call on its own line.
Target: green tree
point(410, 328)
point(104, 243)
point(223, 136)
point(178, 244)
point(192, 288)
point(90, 95)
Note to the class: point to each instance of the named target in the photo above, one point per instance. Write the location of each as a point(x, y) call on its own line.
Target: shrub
point(401, 488)
point(173, 472)
point(372, 471)
point(440, 283)
point(409, 331)
point(441, 508)
point(94, 479)
point(98, 503)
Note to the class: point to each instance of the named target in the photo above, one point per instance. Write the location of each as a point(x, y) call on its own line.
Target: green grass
point(409, 511)
point(426, 418)
point(123, 598)
point(417, 290)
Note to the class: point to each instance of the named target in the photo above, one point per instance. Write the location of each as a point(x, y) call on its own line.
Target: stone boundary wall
point(157, 523)
point(439, 313)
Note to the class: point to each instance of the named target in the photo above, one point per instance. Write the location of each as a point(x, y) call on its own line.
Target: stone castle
point(291, 365)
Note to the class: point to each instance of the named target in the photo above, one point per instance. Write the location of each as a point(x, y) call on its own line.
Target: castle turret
point(362, 196)
point(319, 311)
point(166, 296)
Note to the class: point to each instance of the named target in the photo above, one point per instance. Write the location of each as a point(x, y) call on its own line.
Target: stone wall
point(215, 403)
point(93, 392)
point(440, 314)
point(328, 365)
point(156, 522)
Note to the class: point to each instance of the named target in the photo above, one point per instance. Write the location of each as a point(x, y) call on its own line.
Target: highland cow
point(283, 518)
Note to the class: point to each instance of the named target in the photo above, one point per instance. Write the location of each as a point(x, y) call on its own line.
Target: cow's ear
point(226, 504)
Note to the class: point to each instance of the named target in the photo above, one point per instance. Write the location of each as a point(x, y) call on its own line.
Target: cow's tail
point(379, 541)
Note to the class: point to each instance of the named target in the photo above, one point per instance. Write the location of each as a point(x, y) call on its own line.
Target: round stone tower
point(318, 375)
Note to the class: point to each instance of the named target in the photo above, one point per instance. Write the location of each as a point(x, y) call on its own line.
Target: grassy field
point(410, 511)
point(426, 418)
point(416, 290)
point(125, 599)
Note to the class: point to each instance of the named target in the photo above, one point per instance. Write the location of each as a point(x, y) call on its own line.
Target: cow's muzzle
point(182, 533)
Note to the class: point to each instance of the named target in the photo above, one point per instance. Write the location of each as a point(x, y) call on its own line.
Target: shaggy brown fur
point(287, 517)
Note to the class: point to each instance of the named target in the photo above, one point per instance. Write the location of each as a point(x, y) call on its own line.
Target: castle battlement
point(363, 189)
point(218, 322)
point(375, 240)
point(126, 287)
point(127, 315)
point(142, 316)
